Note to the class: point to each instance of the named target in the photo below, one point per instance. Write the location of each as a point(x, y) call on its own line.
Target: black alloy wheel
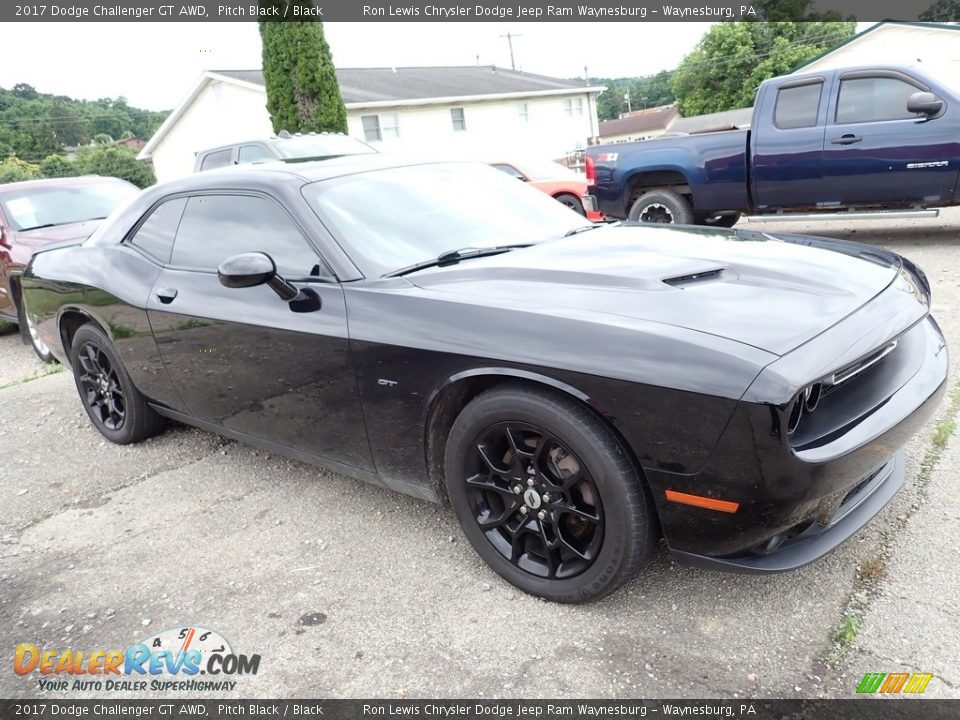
point(118, 410)
point(546, 495)
point(100, 387)
point(535, 501)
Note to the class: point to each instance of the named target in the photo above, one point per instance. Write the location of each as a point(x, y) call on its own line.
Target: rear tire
point(662, 206)
point(572, 202)
point(116, 408)
point(581, 524)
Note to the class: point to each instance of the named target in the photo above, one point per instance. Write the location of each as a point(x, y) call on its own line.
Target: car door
point(877, 152)
point(788, 150)
point(244, 359)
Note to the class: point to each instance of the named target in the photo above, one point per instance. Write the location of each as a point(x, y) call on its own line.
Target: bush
point(13, 169)
point(116, 162)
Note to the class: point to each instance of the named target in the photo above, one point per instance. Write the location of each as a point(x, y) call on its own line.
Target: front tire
point(116, 408)
point(31, 336)
point(546, 495)
point(662, 206)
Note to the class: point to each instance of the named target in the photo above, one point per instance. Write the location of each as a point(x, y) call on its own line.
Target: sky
point(154, 65)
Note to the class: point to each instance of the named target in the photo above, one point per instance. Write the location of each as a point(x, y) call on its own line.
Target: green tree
point(302, 90)
point(945, 11)
point(55, 166)
point(102, 139)
point(114, 161)
point(725, 69)
point(13, 169)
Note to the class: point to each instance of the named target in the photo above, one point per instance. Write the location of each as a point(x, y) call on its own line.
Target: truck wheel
point(724, 221)
point(662, 206)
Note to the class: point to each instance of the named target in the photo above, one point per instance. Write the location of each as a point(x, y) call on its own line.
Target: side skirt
point(422, 491)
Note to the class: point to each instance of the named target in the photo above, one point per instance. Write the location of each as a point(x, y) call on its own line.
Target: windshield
point(311, 146)
point(394, 218)
point(34, 207)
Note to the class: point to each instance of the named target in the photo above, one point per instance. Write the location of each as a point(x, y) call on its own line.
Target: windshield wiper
point(591, 226)
point(39, 227)
point(452, 257)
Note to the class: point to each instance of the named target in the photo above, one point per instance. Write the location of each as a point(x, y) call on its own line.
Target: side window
point(798, 106)
point(220, 158)
point(873, 100)
point(253, 153)
point(215, 227)
point(155, 236)
point(509, 170)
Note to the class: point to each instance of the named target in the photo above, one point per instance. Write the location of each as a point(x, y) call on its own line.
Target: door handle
point(846, 139)
point(166, 295)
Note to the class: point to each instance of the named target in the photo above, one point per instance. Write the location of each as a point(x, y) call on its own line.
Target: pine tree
point(302, 90)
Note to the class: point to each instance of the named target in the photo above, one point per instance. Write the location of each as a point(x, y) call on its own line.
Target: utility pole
point(626, 96)
point(510, 37)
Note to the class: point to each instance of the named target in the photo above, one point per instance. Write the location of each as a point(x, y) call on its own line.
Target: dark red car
point(38, 212)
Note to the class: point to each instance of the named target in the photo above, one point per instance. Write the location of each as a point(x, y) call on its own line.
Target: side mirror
point(3, 237)
point(252, 269)
point(924, 103)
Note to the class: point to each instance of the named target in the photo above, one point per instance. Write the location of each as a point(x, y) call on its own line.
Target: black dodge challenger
point(574, 392)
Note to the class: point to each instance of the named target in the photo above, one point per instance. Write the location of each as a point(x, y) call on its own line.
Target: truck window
point(873, 99)
point(219, 158)
point(797, 106)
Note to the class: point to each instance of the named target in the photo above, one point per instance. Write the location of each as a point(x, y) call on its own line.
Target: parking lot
point(347, 590)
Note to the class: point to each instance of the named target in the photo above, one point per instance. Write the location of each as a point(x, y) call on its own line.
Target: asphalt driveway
point(347, 590)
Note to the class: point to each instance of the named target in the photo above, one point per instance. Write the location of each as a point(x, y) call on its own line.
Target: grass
point(47, 369)
point(942, 433)
point(873, 569)
point(846, 631)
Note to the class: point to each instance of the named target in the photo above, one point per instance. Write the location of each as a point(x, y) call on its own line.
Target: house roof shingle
point(642, 121)
point(362, 85)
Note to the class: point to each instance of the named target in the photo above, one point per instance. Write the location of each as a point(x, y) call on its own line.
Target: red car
point(37, 212)
point(554, 179)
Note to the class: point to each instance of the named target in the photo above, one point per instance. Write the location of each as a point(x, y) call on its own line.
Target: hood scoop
point(682, 281)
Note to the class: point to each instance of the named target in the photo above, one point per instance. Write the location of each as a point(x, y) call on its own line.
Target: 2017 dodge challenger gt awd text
point(574, 392)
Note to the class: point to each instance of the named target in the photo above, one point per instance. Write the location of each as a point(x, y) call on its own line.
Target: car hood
point(58, 233)
point(773, 292)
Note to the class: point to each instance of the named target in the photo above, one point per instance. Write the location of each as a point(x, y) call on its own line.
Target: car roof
point(58, 182)
point(301, 173)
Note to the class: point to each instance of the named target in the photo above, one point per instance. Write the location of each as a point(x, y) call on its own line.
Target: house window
point(371, 128)
point(380, 127)
point(459, 120)
point(523, 110)
point(573, 106)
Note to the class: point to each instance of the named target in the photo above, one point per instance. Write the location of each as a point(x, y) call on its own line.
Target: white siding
point(544, 127)
point(221, 113)
point(493, 129)
point(895, 44)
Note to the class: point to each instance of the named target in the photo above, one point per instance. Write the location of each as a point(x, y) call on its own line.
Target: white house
point(896, 43)
point(479, 111)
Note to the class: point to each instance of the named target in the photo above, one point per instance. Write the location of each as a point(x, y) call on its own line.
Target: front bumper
point(817, 540)
point(797, 503)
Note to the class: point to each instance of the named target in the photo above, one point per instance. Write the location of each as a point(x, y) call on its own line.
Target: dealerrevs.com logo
point(169, 661)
